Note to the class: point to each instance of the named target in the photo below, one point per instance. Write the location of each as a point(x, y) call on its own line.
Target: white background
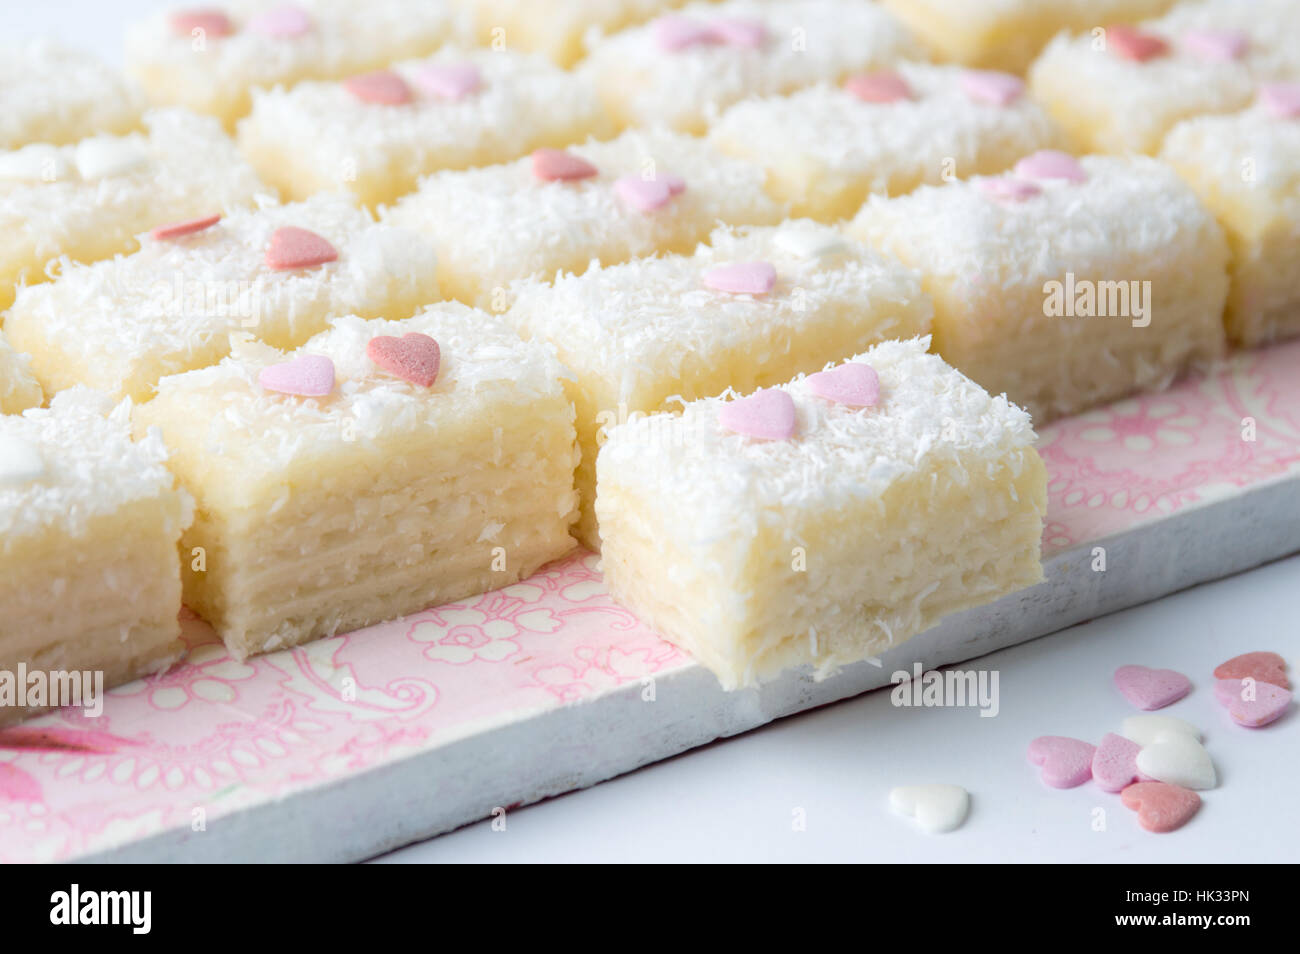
point(737, 800)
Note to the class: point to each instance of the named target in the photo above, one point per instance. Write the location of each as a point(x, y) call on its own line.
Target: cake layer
point(644, 336)
point(1008, 34)
point(682, 70)
point(19, 389)
point(56, 95)
point(381, 494)
point(456, 109)
point(91, 200)
point(89, 523)
point(875, 512)
point(1123, 90)
point(609, 201)
point(210, 59)
point(827, 148)
point(122, 324)
point(1246, 168)
point(556, 30)
point(1067, 284)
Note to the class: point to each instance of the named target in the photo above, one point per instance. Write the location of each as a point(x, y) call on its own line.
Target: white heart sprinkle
point(1145, 729)
point(36, 163)
point(807, 243)
point(20, 461)
point(1179, 760)
point(104, 157)
point(935, 807)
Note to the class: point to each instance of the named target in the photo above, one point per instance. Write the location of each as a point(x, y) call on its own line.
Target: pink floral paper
point(220, 735)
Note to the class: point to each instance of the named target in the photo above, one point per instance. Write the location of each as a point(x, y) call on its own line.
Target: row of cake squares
point(389, 466)
point(991, 250)
point(682, 69)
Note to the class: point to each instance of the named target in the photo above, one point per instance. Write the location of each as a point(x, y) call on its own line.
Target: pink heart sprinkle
point(283, 23)
point(1268, 704)
point(990, 86)
point(1114, 764)
point(1066, 762)
point(1130, 44)
point(1151, 688)
point(311, 375)
point(1281, 99)
point(854, 384)
point(1050, 164)
point(452, 81)
point(1218, 46)
point(292, 247)
point(382, 87)
point(189, 227)
point(742, 278)
point(739, 31)
point(1161, 807)
point(768, 415)
point(1260, 666)
point(673, 33)
point(556, 165)
point(885, 86)
point(413, 357)
point(646, 195)
point(211, 22)
point(1009, 190)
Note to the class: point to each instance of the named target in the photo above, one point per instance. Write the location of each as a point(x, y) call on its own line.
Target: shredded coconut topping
point(807, 41)
point(719, 482)
point(92, 466)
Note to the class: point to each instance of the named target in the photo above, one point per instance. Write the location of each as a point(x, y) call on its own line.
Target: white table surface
point(737, 800)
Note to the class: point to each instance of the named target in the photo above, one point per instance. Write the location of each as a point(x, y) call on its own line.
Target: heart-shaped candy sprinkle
point(1114, 764)
point(1065, 762)
point(646, 195)
point(453, 81)
point(211, 22)
point(103, 158)
point(1007, 189)
point(992, 87)
point(311, 375)
point(188, 227)
point(742, 32)
point(742, 278)
point(382, 87)
point(1179, 760)
point(1251, 703)
point(768, 415)
point(413, 357)
point(1281, 99)
point(1130, 44)
point(1151, 688)
point(936, 807)
point(1050, 164)
point(556, 165)
point(1217, 46)
point(854, 384)
point(20, 462)
point(1161, 807)
point(282, 23)
point(885, 86)
point(809, 243)
point(1145, 729)
point(292, 247)
point(673, 33)
point(1262, 667)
